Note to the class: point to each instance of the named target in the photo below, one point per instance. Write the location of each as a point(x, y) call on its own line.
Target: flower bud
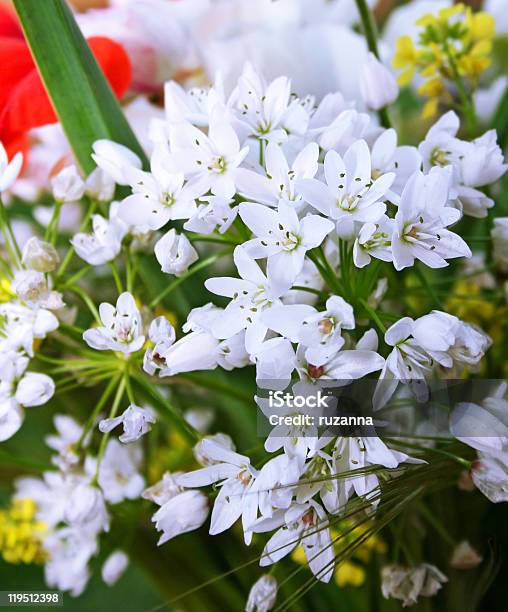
point(202, 456)
point(29, 285)
point(34, 389)
point(182, 513)
point(67, 185)
point(114, 567)
point(175, 253)
point(465, 556)
point(100, 186)
point(39, 255)
point(262, 595)
point(378, 86)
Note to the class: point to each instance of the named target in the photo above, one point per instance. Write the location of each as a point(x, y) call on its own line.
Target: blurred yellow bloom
point(6, 293)
point(348, 573)
point(453, 45)
point(21, 533)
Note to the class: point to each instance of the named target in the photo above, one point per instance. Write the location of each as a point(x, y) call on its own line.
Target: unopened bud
point(39, 255)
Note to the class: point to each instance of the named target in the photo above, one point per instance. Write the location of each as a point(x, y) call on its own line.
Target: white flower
point(235, 476)
point(201, 451)
point(20, 325)
point(9, 171)
point(262, 595)
point(386, 156)
point(122, 327)
point(377, 84)
point(302, 524)
point(114, 566)
point(319, 332)
point(135, 420)
point(280, 180)
point(210, 160)
point(67, 185)
point(449, 340)
point(119, 477)
point(407, 362)
point(34, 389)
point(100, 186)
point(86, 509)
point(340, 367)
point(115, 159)
point(29, 285)
point(407, 584)
point(282, 238)
point(499, 234)
point(421, 220)
point(250, 295)
point(349, 194)
point(182, 513)
point(357, 453)
point(103, 244)
point(159, 195)
point(374, 240)
point(474, 164)
point(212, 214)
point(346, 129)
point(39, 255)
point(275, 361)
point(266, 111)
point(175, 253)
point(162, 334)
point(68, 434)
point(195, 105)
point(490, 475)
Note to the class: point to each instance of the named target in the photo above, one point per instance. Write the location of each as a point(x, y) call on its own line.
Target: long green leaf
point(81, 95)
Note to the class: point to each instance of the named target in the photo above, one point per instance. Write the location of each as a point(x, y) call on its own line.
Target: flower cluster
point(290, 239)
point(453, 46)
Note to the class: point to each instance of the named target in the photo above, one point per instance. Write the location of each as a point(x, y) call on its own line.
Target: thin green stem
point(370, 31)
point(116, 276)
point(114, 409)
point(9, 238)
point(201, 265)
point(67, 259)
point(373, 315)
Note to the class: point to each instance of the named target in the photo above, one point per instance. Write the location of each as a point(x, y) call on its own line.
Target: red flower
point(24, 103)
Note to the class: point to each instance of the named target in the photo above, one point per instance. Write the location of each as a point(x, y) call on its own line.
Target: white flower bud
point(377, 84)
point(39, 255)
point(465, 557)
point(100, 186)
point(86, 506)
point(67, 185)
point(202, 456)
point(34, 389)
point(29, 285)
point(262, 595)
point(182, 513)
point(114, 566)
point(115, 159)
point(175, 253)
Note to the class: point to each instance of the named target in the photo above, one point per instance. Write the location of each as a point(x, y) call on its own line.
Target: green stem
point(116, 276)
point(196, 268)
point(428, 287)
point(373, 315)
point(114, 409)
point(370, 31)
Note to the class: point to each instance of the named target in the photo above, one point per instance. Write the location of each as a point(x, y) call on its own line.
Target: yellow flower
point(21, 533)
point(6, 292)
point(348, 573)
point(482, 26)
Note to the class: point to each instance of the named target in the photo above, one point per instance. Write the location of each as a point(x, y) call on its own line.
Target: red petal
point(28, 106)
point(114, 61)
point(9, 25)
point(15, 63)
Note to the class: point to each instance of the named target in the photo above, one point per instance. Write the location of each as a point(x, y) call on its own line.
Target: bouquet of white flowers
point(239, 302)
